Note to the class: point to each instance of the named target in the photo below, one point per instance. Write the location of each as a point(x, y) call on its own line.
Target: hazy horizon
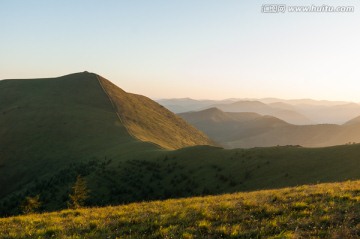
point(203, 50)
point(252, 99)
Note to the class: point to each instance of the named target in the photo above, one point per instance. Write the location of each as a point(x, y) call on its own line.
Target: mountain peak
point(212, 110)
point(143, 118)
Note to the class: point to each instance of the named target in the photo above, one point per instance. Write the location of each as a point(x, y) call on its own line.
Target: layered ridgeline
point(47, 125)
point(299, 112)
point(52, 130)
point(245, 130)
point(277, 109)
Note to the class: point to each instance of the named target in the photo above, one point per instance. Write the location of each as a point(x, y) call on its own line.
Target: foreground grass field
point(317, 211)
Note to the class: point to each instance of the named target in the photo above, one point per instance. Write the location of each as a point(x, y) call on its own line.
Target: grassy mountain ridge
point(316, 211)
point(46, 122)
point(149, 121)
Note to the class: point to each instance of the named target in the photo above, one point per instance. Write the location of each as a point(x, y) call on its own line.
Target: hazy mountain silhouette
point(287, 115)
point(354, 121)
point(236, 130)
point(299, 112)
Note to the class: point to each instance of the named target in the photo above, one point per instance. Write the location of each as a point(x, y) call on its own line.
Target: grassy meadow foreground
point(317, 211)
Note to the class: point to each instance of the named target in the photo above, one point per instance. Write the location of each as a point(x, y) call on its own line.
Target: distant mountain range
point(244, 130)
point(299, 112)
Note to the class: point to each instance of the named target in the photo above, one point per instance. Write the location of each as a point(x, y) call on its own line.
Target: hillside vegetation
point(315, 211)
point(188, 172)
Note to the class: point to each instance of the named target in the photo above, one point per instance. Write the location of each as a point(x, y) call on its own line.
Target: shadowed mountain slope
point(227, 126)
point(46, 124)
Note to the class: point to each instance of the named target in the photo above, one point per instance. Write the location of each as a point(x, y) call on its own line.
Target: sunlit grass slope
point(149, 121)
point(315, 211)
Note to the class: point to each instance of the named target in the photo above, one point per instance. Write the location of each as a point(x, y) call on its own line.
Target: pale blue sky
point(210, 49)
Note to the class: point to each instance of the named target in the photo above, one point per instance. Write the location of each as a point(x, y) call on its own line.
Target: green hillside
point(316, 211)
point(52, 129)
point(49, 123)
